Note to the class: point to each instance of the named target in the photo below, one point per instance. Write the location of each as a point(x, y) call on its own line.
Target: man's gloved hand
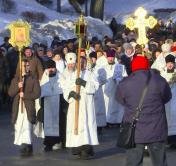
point(74, 95)
point(80, 81)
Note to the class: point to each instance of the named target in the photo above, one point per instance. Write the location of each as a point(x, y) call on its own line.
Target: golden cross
point(141, 22)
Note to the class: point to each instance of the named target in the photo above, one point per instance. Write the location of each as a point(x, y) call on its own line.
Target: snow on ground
point(56, 23)
point(124, 7)
point(63, 24)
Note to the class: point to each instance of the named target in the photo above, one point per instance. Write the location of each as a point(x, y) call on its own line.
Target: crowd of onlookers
point(123, 43)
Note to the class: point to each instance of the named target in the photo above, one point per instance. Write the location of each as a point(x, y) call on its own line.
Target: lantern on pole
point(80, 31)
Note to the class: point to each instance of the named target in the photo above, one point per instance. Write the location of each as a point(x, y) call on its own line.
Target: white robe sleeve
point(92, 84)
point(119, 72)
point(66, 88)
point(159, 63)
point(101, 75)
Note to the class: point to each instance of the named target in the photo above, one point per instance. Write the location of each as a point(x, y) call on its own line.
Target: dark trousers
point(63, 119)
point(172, 140)
point(156, 151)
point(51, 140)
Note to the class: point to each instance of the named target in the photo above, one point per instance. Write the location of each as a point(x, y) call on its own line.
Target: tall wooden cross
point(141, 22)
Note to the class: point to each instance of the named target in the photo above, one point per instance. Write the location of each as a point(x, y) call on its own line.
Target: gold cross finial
point(141, 22)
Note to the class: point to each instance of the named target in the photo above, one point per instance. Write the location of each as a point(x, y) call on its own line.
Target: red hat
point(139, 63)
point(173, 49)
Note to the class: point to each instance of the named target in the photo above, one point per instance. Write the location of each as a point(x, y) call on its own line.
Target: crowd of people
point(112, 76)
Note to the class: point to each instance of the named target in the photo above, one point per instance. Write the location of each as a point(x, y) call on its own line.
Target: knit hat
point(110, 53)
point(50, 64)
point(170, 58)
point(70, 58)
point(139, 63)
point(127, 46)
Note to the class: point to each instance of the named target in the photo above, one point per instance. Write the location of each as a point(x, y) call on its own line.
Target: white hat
point(166, 48)
point(70, 58)
point(133, 44)
point(127, 46)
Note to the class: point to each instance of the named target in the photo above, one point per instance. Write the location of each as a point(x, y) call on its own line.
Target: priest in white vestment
point(81, 144)
point(99, 97)
point(51, 91)
point(114, 73)
point(170, 75)
point(24, 94)
point(160, 63)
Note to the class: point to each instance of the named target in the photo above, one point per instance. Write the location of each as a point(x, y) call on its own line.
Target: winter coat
point(152, 123)
point(31, 92)
point(127, 63)
point(12, 58)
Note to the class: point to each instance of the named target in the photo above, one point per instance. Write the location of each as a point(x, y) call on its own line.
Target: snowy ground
point(63, 24)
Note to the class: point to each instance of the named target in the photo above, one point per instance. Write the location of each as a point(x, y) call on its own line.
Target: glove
point(80, 81)
point(74, 95)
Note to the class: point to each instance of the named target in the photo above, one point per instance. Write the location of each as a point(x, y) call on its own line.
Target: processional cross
point(141, 22)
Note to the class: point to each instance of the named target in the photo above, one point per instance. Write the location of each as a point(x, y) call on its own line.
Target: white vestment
point(171, 105)
point(23, 128)
point(114, 110)
point(99, 98)
point(60, 65)
point(159, 63)
point(87, 127)
point(51, 90)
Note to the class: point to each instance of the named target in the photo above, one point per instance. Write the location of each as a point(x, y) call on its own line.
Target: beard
point(170, 70)
point(111, 63)
point(52, 74)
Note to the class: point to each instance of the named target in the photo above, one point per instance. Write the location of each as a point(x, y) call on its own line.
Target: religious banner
point(20, 34)
point(141, 23)
point(20, 37)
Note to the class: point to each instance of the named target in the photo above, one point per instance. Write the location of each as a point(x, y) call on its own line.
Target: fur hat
point(93, 55)
point(70, 58)
point(50, 64)
point(170, 58)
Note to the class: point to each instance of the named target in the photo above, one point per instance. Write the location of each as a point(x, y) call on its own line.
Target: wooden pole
point(20, 76)
point(78, 87)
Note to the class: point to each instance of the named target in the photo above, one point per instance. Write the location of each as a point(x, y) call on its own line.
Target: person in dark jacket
point(151, 128)
point(24, 93)
point(127, 57)
point(12, 58)
point(6, 43)
point(4, 76)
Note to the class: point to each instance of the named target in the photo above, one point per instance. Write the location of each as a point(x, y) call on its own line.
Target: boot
point(48, 148)
point(26, 150)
